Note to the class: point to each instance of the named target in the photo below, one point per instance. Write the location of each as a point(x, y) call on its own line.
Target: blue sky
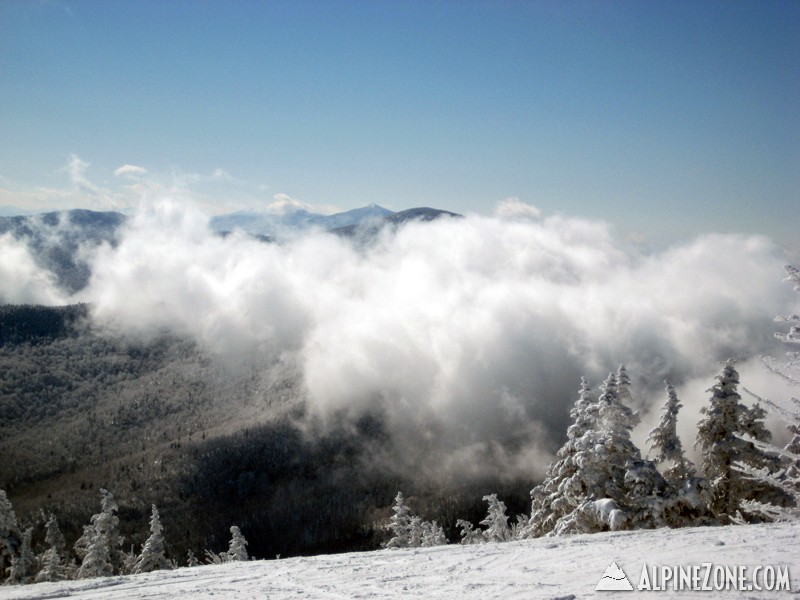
point(664, 118)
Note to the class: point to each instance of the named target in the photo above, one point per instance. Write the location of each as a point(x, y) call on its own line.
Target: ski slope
point(551, 568)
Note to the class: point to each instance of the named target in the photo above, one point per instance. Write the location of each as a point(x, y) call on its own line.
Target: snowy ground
point(568, 567)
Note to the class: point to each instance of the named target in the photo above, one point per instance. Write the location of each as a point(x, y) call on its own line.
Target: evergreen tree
point(415, 531)
point(605, 463)
point(52, 568)
point(598, 487)
point(555, 497)
point(718, 436)
point(97, 562)
point(81, 546)
point(237, 547)
point(10, 537)
point(585, 487)
point(665, 443)
point(496, 521)
point(400, 524)
point(191, 559)
point(469, 535)
point(23, 565)
point(432, 535)
point(624, 386)
point(786, 476)
point(9, 534)
point(101, 541)
point(410, 531)
point(152, 557)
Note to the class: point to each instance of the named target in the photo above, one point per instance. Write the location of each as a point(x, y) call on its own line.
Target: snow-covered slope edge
point(565, 567)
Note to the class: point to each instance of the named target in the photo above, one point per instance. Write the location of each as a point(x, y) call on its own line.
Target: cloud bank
point(465, 337)
point(22, 280)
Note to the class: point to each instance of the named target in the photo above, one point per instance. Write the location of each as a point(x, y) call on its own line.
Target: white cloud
point(130, 171)
point(514, 208)
point(22, 281)
point(76, 169)
point(85, 193)
point(467, 336)
point(283, 203)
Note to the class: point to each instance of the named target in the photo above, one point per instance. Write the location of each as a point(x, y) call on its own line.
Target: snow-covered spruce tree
point(152, 557)
point(718, 436)
point(52, 568)
point(101, 541)
point(585, 489)
point(624, 386)
point(81, 546)
point(599, 487)
point(410, 531)
point(790, 368)
point(129, 560)
point(23, 565)
point(782, 502)
point(665, 445)
point(496, 521)
point(469, 535)
point(415, 531)
point(603, 465)
point(786, 478)
point(9, 534)
point(237, 547)
point(191, 559)
point(96, 562)
point(399, 524)
point(548, 501)
point(496, 525)
point(432, 534)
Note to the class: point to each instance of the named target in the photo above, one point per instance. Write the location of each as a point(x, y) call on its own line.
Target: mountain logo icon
point(614, 580)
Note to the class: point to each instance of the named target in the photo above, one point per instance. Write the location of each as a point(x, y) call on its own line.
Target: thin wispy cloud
point(130, 171)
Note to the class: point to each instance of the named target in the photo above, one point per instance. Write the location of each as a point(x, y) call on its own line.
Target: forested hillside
point(160, 422)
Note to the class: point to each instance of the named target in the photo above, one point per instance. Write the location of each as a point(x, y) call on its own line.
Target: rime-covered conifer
point(23, 565)
point(191, 559)
point(786, 477)
point(9, 534)
point(400, 524)
point(624, 386)
point(101, 541)
point(432, 535)
point(496, 521)
point(52, 568)
point(469, 535)
point(237, 548)
point(555, 497)
point(96, 562)
point(719, 438)
point(588, 476)
point(665, 445)
point(152, 557)
point(603, 463)
point(410, 531)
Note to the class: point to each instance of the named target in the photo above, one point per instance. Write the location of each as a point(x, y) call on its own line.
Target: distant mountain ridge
point(368, 218)
point(58, 240)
